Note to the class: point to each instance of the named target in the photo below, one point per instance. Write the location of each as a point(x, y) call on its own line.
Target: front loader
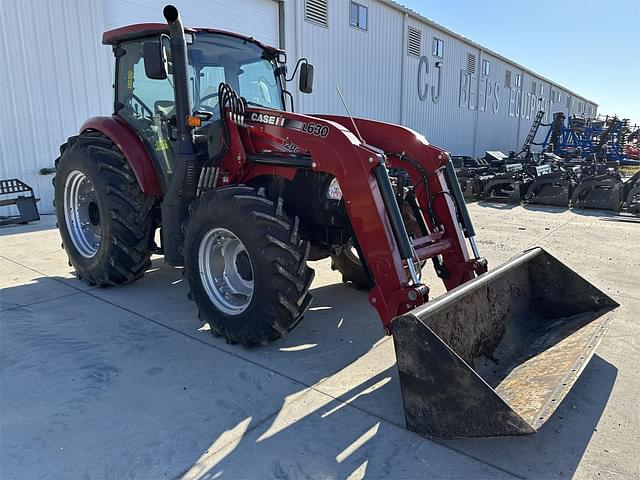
point(245, 192)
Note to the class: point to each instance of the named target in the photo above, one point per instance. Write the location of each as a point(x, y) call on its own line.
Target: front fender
point(132, 148)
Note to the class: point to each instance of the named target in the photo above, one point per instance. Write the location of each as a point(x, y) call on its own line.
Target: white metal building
point(390, 63)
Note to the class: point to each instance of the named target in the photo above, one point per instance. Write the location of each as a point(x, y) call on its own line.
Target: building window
point(568, 101)
point(518, 80)
point(414, 42)
point(486, 67)
point(541, 90)
point(471, 63)
point(507, 79)
point(534, 88)
point(438, 48)
point(359, 16)
point(317, 11)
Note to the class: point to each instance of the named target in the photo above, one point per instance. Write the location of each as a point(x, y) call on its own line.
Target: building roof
point(431, 23)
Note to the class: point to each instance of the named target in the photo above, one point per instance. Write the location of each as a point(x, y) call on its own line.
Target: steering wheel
point(214, 107)
point(145, 107)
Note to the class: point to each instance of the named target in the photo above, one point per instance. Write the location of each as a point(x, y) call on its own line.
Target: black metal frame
point(26, 204)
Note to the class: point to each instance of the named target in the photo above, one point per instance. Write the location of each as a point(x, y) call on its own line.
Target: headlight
point(334, 192)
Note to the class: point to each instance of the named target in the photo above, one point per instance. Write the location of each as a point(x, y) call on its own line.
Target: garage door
point(254, 18)
point(54, 75)
point(60, 74)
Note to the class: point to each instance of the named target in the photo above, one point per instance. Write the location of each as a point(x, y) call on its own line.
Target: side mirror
point(155, 66)
point(306, 78)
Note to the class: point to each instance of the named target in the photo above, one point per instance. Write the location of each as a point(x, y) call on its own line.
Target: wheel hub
point(226, 271)
point(82, 214)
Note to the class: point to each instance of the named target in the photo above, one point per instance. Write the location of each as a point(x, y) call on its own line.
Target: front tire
point(104, 219)
point(246, 265)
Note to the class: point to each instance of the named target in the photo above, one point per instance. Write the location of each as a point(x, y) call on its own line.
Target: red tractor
point(201, 144)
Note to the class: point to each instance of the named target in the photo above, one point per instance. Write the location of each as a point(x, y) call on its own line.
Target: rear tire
point(246, 265)
point(104, 219)
point(349, 265)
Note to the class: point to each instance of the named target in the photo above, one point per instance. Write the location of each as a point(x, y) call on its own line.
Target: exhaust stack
point(180, 72)
point(183, 184)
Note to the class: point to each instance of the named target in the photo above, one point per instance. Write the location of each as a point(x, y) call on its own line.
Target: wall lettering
point(423, 72)
point(423, 83)
point(478, 94)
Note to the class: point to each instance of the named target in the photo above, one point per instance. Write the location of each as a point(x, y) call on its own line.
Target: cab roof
point(141, 30)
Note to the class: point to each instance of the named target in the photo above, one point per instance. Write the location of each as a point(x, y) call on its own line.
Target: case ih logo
point(268, 119)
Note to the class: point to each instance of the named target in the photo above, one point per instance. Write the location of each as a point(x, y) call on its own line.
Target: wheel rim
point(82, 214)
point(226, 271)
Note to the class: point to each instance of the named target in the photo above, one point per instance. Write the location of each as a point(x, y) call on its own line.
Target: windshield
point(148, 105)
point(250, 70)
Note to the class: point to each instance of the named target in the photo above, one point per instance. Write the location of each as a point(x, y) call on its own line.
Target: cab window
point(145, 104)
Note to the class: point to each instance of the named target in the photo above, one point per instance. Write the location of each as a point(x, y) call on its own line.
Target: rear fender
point(132, 147)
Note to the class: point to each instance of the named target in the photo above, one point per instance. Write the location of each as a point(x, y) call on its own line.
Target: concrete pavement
point(126, 383)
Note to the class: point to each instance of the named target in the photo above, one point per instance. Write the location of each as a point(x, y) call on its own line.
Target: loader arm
point(329, 147)
point(410, 151)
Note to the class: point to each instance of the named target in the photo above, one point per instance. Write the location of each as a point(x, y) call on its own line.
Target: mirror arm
point(295, 70)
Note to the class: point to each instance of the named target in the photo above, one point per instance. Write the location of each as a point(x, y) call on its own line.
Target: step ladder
point(526, 147)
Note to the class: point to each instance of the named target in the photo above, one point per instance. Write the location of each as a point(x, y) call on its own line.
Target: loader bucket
point(497, 355)
point(551, 189)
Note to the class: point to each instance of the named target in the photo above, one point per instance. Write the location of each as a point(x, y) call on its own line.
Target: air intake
point(317, 11)
point(471, 63)
point(507, 79)
point(414, 42)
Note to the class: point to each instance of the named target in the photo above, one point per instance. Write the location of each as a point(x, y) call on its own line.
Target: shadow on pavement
point(310, 433)
point(544, 208)
point(497, 205)
point(557, 448)
point(46, 222)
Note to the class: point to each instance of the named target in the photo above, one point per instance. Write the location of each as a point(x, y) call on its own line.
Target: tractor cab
point(144, 87)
